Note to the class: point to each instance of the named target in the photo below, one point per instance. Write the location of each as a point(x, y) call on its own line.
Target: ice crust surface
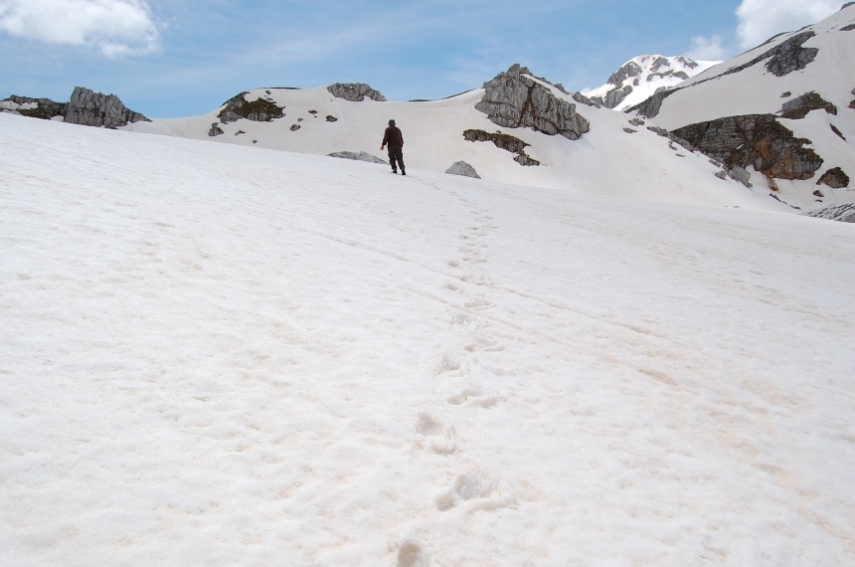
point(218, 355)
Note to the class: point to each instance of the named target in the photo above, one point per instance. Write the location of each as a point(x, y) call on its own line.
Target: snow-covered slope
point(218, 355)
point(640, 77)
point(607, 161)
point(805, 81)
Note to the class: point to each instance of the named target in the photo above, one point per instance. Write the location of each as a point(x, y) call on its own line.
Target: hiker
point(395, 140)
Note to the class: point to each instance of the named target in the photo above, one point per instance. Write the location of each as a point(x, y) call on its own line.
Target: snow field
point(219, 355)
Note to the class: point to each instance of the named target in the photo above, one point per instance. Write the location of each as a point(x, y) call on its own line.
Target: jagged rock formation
point(86, 107)
point(359, 156)
point(757, 140)
point(515, 100)
point(582, 99)
point(43, 108)
point(799, 107)
point(840, 213)
point(259, 110)
point(215, 130)
point(355, 92)
point(504, 141)
point(650, 108)
point(464, 169)
point(835, 178)
point(785, 58)
point(95, 109)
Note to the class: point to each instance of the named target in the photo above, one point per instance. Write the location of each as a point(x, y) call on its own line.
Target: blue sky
point(185, 57)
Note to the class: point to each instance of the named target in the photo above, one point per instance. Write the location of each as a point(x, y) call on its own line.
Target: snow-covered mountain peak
point(642, 76)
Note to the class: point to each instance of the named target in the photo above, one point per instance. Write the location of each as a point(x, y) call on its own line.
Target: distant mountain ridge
point(642, 76)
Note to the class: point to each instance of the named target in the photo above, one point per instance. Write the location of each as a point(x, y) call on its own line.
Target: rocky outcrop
point(464, 169)
point(89, 108)
point(43, 108)
point(355, 92)
point(785, 58)
point(840, 213)
point(650, 108)
point(515, 100)
point(215, 130)
point(259, 110)
point(331, 118)
point(359, 156)
point(582, 99)
point(835, 178)
point(756, 140)
point(504, 141)
point(798, 108)
point(850, 27)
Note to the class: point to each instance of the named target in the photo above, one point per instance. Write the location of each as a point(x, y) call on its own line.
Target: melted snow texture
point(214, 355)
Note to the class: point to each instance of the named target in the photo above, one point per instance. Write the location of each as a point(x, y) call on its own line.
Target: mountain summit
point(642, 76)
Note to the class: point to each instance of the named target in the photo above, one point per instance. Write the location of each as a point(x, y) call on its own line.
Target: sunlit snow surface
point(217, 355)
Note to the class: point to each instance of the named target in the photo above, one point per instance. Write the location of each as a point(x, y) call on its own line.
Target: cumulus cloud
point(761, 19)
point(706, 49)
point(115, 27)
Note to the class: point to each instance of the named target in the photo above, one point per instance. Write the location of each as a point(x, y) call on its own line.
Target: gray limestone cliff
point(89, 108)
point(515, 100)
point(355, 92)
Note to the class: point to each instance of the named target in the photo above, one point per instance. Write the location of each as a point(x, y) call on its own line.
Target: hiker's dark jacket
point(393, 137)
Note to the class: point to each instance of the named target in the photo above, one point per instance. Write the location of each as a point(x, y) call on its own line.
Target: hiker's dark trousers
point(396, 154)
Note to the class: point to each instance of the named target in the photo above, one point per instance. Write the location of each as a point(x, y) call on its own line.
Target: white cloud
point(706, 49)
point(115, 27)
point(761, 19)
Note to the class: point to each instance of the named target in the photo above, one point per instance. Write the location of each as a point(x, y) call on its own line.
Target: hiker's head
point(391, 123)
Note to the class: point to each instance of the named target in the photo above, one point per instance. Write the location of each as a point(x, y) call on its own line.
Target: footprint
point(454, 264)
point(472, 397)
point(410, 554)
point(480, 493)
point(484, 345)
point(438, 437)
point(465, 487)
point(478, 304)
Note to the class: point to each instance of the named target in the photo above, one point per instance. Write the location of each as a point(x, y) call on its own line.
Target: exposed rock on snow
point(754, 140)
point(87, 108)
point(215, 130)
point(840, 213)
point(504, 141)
point(850, 27)
point(95, 109)
point(259, 110)
point(650, 108)
point(630, 130)
point(464, 169)
point(43, 108)
point(741, 174)
point(331, 118)
point(785, 58)
point(582, 99)
point(294, 127)
point(355, 92)
point(515, 100)
point(835, 178)
point(359, 156)
point(799, 107)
